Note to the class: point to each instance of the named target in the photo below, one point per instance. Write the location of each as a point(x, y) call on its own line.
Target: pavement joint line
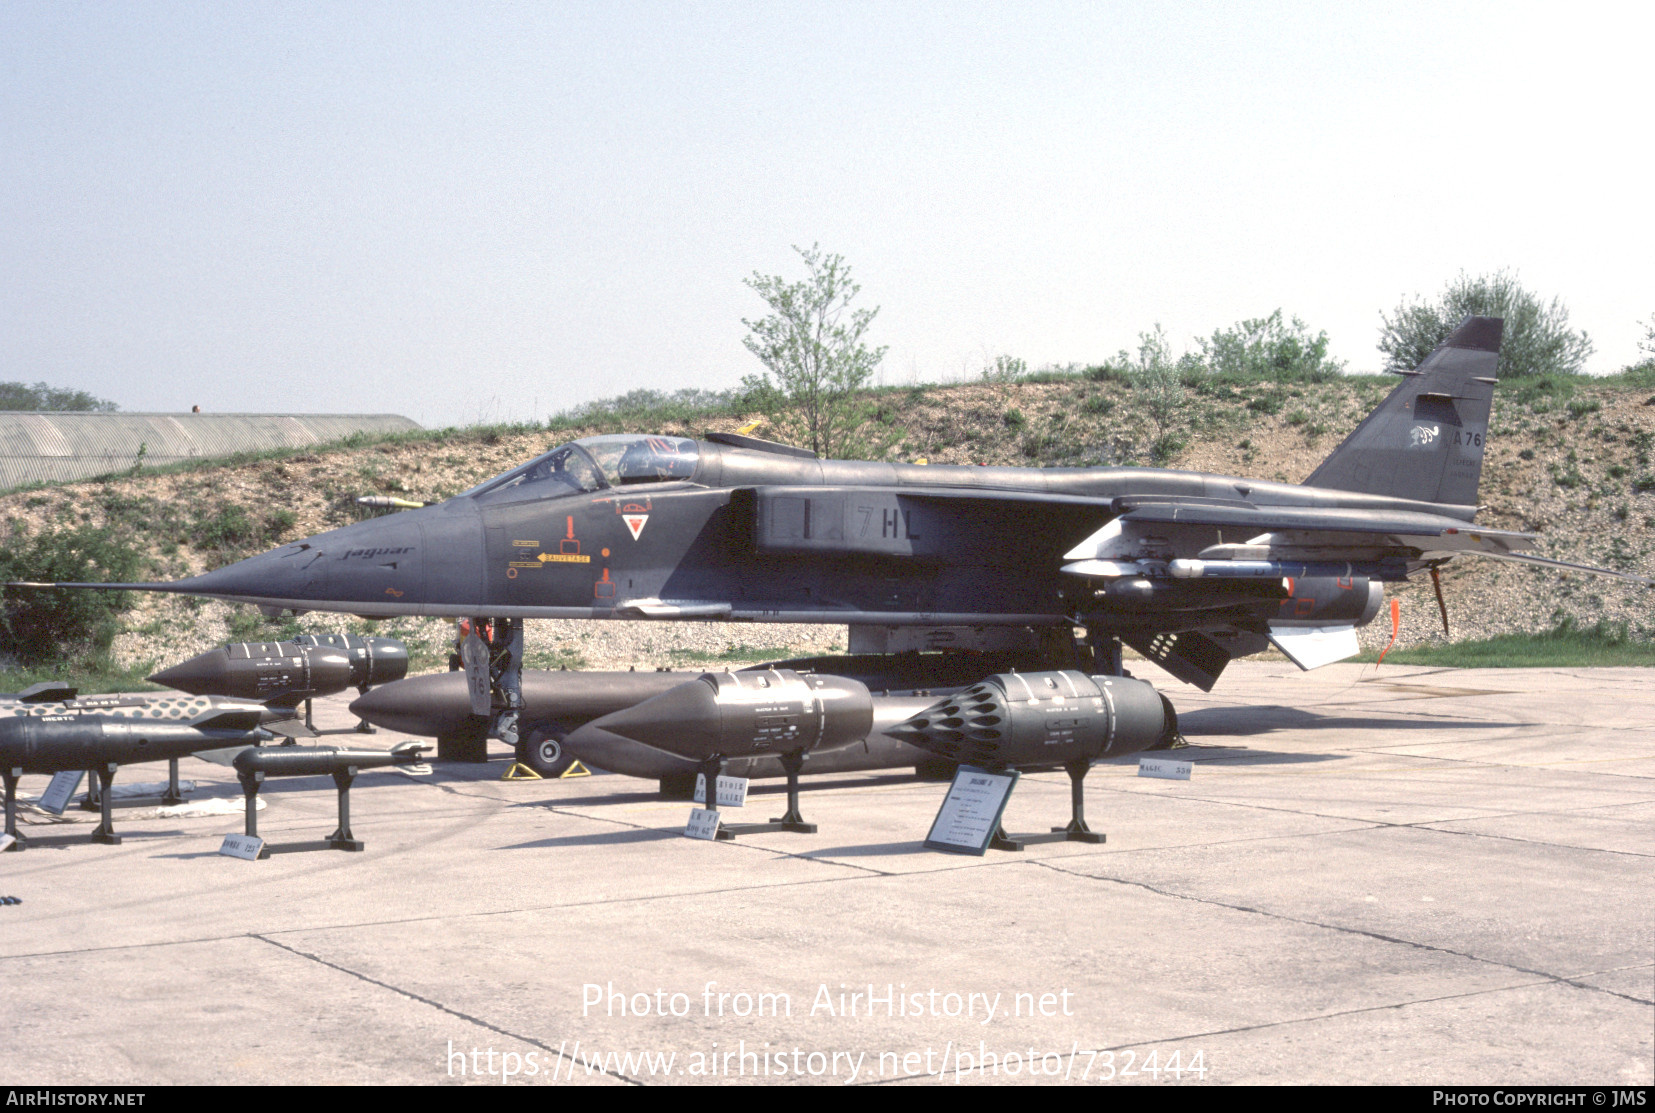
point(1436, 766)
point(1145, 791)
point(1253, 806)
point(1216, 1032)
point(1515, 838)
point(734, 842)
point(688, 894)
point(440, 1007)
point(1380, 936)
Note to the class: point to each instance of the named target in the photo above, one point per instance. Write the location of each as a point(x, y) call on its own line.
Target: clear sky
point(486, 211)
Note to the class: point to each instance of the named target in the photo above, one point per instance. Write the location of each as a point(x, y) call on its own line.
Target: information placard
point(63, 786)
point(970, 813)
point(703, 824)
point(1164, 767)
point(242, 846)
point(732, 791)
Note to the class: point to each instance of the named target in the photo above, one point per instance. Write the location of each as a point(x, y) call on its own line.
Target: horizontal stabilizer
point(1311, 647)
point(47, 691)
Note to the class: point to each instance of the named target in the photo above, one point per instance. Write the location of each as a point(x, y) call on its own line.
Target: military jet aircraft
point(1190, 569)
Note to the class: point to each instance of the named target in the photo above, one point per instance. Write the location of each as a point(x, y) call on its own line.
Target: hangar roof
point(38, 447)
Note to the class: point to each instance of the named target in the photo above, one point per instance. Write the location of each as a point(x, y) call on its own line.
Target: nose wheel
point(542, 751)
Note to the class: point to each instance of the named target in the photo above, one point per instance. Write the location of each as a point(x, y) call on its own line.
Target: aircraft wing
point(1170, 531)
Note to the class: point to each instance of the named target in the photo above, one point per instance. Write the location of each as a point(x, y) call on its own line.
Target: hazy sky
point(469, 211)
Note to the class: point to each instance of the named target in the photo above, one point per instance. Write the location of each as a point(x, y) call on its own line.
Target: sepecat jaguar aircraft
point(1189, 569)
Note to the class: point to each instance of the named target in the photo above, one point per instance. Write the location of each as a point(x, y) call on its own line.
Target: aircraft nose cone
point(373, 567)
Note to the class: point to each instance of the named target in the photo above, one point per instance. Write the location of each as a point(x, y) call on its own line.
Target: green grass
point(91, 677)
point(1564, 646)
point(733, 655)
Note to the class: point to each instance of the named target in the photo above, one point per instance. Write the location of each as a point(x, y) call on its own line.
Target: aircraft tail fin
point(1425, 440)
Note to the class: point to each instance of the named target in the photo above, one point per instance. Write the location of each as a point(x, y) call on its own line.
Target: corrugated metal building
point(53, 447)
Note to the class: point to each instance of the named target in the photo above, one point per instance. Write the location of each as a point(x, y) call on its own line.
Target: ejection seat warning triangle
point(970, 813)
point(576, 769)
point(635, 523)
point(519, 772)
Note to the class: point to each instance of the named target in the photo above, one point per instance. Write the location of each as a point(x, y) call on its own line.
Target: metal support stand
point(793, 821)
point(105, 831)
point(310, 717)
point(1075, 831)
point(362, 725)
point(1003, 841)
point(11, 777)
point(92, 801)
point(250, 783)
point(174, 795)
point(342, 839)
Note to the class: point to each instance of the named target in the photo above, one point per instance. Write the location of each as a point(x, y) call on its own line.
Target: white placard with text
point(970, 814)
point(703, 824)
point(242, 846)
point(63, 786)
point(732, 791)
point(1164, 767)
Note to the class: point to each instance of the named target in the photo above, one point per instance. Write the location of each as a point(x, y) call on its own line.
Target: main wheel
point(543, 752)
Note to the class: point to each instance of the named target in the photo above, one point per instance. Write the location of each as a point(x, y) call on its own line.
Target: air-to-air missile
point(1045, 718)
point(254, 765)
point(101, 734)
point(287, 673)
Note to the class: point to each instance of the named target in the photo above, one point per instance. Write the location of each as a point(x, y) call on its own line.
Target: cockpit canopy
point(593, 464)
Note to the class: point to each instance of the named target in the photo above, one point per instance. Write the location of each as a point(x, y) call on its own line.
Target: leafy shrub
point(1269, 348)
point(1537, 339)
point(1014, 419)
point(41, 625)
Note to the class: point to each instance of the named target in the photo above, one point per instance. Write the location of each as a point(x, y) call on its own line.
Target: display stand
point(172, 794)
point(11, 777)
point(792, 821)
point(105, 830)
point(1075, 831)
point(342, 837)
